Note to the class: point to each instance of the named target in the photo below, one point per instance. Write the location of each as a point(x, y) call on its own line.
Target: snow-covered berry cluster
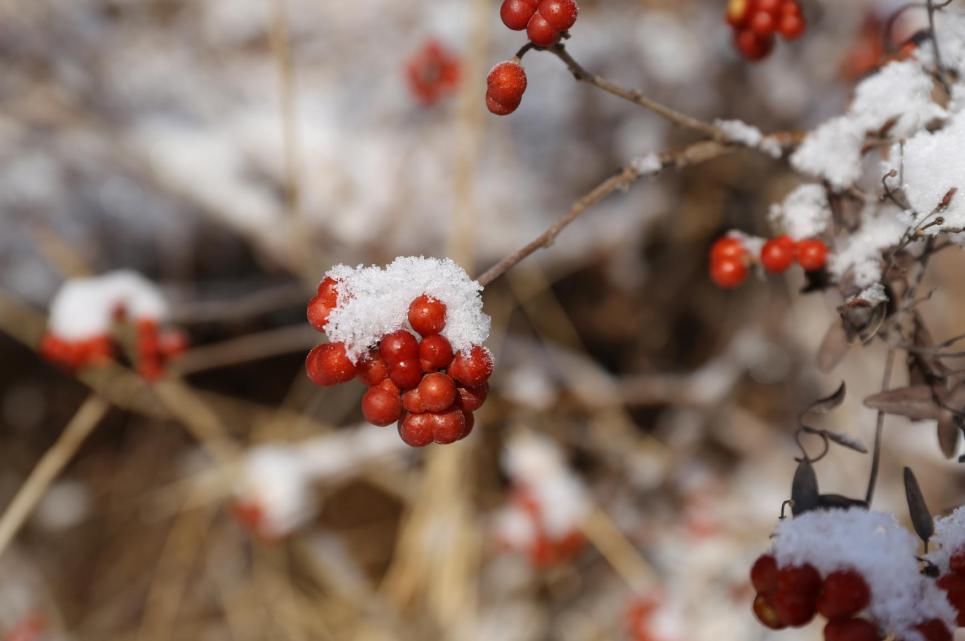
point(412, 333)
point(732, 256)
point(949, 558)
point(547, 503)
point(545, 21)
point(855, 568)
point(432, 72)
point(90, 318)
point(756, 24)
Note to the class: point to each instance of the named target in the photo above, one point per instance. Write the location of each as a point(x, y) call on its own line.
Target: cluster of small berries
point(152, 348)
point(953, 583)
point(639, 618)
point(756, 22)
point(544, 20)
point(433, 73)
point(730, 259)
point(545, 549)
point(430, 391)
point(791, 596)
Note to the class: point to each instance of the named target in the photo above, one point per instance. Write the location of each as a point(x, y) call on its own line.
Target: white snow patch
point(648, 164)
point(949, 538)
point(805, 212)
point(374, 301)
point(741, 133)
point(84, 307)
point(861, 253)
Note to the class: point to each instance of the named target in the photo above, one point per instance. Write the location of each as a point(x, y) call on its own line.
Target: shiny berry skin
point(437, 392)
point(800, 580)
point(499, 109)
point(764, 574)
point(762, 23)
point(472, 398)
point(793, 609)
point(372, 370)
point(516, 13)
point(470, 423)
point(843, 594)
point(727, 247)
point(541, 33)
point(448, 427)
point(851, 630)
point(768, 6)
point(560, 14)
point(381, 407)
point(738, 13)
point(791, 26)
point(505, 86)
point(472, 369)
point(766, 614)
point(777, 254)
point(728, 272)
point(790, 7)
point(427, 315)
point(753, 46)
point(416, 430)
point(324, 301)
point(328, 364)
point(957, 562)
point(934, 630)
point(412, 402)
point(406, 374)
point(435, 353)
point(812, 254)
point(399, 346)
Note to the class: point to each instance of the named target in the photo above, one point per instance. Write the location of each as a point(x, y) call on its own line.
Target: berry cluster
point(730, 258)
point(953, 584)
point(505, 85)
point(432, 73)
point(422, 384)
point(640, 618)
point(545, 549)
point(792, 596)
point(152, 348)
point(756, 22)
point(545, 21)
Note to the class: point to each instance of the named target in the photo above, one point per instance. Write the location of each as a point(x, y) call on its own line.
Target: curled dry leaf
point(804, 489)
point(916, 402)
point(834, 347)
point(846, 441)
point(921, 517)
point(949, 429)
point(828, 403)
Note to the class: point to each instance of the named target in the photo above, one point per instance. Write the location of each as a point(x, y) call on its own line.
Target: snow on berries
point(756, 23)
point(856, 568)
point(433, 73)
point(545, 21)
point(89, 317)
point(505, 86)
point(548, 502)
point(413, 332)
point(732, 255)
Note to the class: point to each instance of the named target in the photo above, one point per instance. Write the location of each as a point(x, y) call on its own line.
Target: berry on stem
point(472, 398)
point(416, 430)
point(541, 33)
point(406, 374)
point(752, 45)
point(372, 369)
point(727, 247)
point(843, 594)
point(399, 346)
point(381, 407)
point(472, 369)
point(515, 14)
point(791, 25)
point(437, 392)
point(412, 401)
point(435, 353)
point(427, 315)
point(728, 272)
point(505, 86)
point(777, 254)
point(812, 254)
point(764, 574)
point(560, 14)
point(766, 614)
point(448, 427)
point(328, 364)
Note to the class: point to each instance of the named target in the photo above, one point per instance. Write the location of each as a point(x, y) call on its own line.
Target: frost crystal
point(85, 307)
point(876, 546)
point(374, 301)
point(805, 212)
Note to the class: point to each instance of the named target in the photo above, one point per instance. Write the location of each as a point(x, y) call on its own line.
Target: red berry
point(763, 23)
point(954, 586)
point(560, 14)
point(381, 407)
point(799, 580)
point(844, 594)
point(389, 386)
point(728, 272)
point(790, 7)
point(812, 254)
point(416, 429)
point(957, 562)
point(372, 369)
point(727, 247)
point(399, 346)
point(777, 255)
point(427, 315)
point(470, 422)
point(498, 108)
point(791, 25)
point(753, 46)
point(850, 630)
point(328, 291)
point(432, 72)
point(412, 402)
point(764, 574)
point(794, 609)
point(437, 392)
point(406, 374)
point(541, 33)
point(472, 398)
point(738, 13)
point(329, 364)
point(768, 6)
point(516, 13)
point(448, 427)
point(171, 342)
point(472, 369)
point(435, 353)
point(766, 614)
point(934, 630)
point(506, 84)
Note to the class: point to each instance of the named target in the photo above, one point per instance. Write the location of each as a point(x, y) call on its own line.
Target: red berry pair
point(423, 385)
point(432, 72)
point(729, 258)
point(756, 22)
point(953, 584)
point(505, 85)
point(544, 20)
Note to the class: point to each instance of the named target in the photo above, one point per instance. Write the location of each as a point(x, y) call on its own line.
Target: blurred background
point(231, 151)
